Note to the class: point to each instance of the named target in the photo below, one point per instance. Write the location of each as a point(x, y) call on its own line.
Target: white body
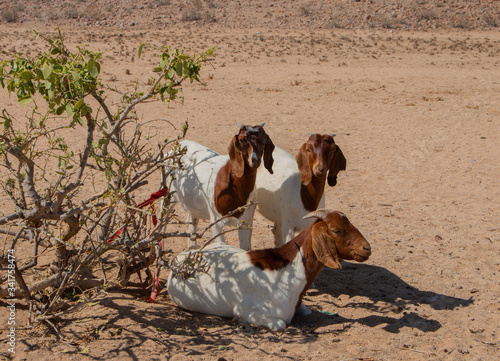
point(234, 287)
point(194, 186)
point(278, 197)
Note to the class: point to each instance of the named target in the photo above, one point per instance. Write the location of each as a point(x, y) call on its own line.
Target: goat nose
point(255, 160)
point(368, 249)
point(319, 171)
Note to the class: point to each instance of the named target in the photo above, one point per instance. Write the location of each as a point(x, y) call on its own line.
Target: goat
point(210, 185)
point(297, 185)
point(266, 287)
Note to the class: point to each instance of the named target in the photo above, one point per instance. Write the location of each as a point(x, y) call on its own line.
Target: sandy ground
point(417, 116)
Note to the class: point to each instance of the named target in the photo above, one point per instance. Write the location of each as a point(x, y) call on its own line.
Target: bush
point(50, 184)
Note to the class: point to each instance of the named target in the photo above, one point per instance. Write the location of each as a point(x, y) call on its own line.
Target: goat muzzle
point(363, 254)
point(255, 161)
point(319, 171)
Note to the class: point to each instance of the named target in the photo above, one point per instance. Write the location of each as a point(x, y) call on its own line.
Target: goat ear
point(304, 168)
point(324, 246)
point(236, 158)
point(337, 164)
point(268, 154)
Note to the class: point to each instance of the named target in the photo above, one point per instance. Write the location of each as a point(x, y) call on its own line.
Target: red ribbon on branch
point(152, 198)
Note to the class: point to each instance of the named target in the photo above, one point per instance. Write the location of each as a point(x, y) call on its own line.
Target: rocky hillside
point(301, 14)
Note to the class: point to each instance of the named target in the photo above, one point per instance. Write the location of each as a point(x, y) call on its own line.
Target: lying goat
point(210, 185)
point(297, 185)
point(265, 287)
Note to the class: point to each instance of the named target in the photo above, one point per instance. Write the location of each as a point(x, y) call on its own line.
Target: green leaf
point(78, 104)
point(90, 65)
point(94, 72)
point(171, 73)
point(39, 73)
point(47, 70)
point(27, 75)
point(69, 109)
point(139, 52)
point(25, 100)
point(7, 123)
point(178, 68)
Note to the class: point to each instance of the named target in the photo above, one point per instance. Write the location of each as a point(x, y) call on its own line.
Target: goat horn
point(333, 135)
point(239, 125)
point(318, 213)
point(254, 129)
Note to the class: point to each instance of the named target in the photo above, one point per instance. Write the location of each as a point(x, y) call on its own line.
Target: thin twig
point(58, 333)
point(230, 214)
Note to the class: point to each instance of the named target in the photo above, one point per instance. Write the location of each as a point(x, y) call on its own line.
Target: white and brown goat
point(297, 185)
point(265, 287)
point(210, 185)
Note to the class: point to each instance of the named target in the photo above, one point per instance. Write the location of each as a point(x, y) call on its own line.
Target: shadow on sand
point(388, 294)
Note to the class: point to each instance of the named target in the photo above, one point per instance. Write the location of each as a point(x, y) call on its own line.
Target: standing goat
point(265, 287)
point(297, 185)
point(210, 185)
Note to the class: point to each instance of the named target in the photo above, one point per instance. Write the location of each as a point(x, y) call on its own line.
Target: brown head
point(316, 245)
point(319, 156)
point(350, 243)
point(248, 147)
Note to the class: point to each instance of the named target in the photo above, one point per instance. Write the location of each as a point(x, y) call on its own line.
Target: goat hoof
point(303, 311)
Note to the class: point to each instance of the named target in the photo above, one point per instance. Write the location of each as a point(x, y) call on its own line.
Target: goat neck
point(232, 191)
point(312, 192)
point(312, 246)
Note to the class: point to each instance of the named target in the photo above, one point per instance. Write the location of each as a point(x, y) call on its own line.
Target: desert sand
point(416, 115)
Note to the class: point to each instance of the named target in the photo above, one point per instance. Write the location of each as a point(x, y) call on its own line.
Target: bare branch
point(88, 147)
point(9, 218)
point(81, 209)
point(12, 233)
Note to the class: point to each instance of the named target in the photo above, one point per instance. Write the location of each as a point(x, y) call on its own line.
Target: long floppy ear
point(323, 246)
point(304, 168)
point(236, 158)
point(268, 154)
point(337, 164)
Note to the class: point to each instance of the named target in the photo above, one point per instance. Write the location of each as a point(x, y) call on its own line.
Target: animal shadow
point(389, 295)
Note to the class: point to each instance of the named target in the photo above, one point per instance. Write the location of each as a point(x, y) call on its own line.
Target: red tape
point(153, 197)
point(154, 289)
